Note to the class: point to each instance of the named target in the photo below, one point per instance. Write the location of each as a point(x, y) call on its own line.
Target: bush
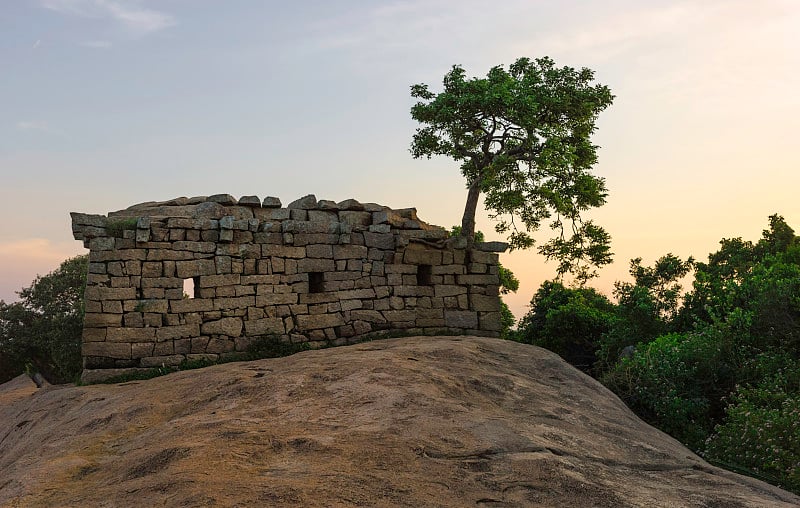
point(678, 381)
point(567, 321)
point(760, 435)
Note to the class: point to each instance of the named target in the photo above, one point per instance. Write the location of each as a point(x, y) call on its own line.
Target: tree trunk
point(468, 220)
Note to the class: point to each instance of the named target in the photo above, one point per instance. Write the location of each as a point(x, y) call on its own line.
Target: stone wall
point(315, 271)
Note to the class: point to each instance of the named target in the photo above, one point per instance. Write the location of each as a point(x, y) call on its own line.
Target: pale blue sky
point(106, 103)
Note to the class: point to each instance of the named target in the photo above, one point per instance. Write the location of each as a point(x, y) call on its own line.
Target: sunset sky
point(107, 103)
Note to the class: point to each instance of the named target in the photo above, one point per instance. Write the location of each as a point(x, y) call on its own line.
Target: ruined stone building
point(202, 277)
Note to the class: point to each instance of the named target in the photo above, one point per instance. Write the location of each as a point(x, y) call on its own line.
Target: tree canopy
point(718, 368)
point(568, 321)
point(42, 331)
point(722, 372)
point(522, 137)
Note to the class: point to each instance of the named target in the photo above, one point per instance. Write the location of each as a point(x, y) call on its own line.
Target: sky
point(108, 103)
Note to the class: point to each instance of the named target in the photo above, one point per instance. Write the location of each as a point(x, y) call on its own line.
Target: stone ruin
point(201, 278)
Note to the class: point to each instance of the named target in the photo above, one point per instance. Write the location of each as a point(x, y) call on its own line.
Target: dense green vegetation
point(718, 368)
point(568, 321)
point(42, 331)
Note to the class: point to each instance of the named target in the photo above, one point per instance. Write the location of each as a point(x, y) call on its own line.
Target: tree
point(522, 137)
point(721, 284)
point(662, 283)
point(567, 321)
point(723, 376)
point(647, 307)
point(42, 331)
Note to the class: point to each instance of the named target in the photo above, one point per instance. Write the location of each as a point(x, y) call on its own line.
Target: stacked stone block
point(314, 271)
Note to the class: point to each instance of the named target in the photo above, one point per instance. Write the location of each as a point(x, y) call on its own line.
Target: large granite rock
point(402, 422)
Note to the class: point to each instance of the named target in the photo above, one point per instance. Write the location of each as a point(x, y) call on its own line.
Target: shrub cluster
point(718, 368)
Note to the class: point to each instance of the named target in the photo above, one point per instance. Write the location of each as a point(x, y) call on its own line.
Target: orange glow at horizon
point(22, 260)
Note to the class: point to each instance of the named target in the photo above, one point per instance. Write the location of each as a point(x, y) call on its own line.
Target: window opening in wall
point(189, 287)
point(316, 282)
point(424, 275)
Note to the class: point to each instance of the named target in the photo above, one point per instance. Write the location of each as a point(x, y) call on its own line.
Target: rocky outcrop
point(434, 421)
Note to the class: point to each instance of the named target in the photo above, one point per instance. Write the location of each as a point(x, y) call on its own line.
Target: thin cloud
point(37, 44)
point(96, 44)
point(709, 52)
point(31, 125)
point(137, 19)
point(145, 20)
point(607, 35)
point(379, 26)
point(614, 33)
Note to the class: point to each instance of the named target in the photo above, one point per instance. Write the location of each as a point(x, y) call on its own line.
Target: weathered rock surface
point(404, 422)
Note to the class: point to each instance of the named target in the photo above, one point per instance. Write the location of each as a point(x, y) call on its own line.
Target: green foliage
point(508, 281)
point(567, 321)
point(522, 137)
point(778, 238)
point(772, 296)
point(14, 347)
point(479, 236)
point(508, 284)
point(761, 430)
point(677, 382)
point(723, 371)
point(116, 228)
point(507, 321)
point(42, 331)
point(646, 307)
point(661, 282)
point(10, 366)
point(717, 287)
